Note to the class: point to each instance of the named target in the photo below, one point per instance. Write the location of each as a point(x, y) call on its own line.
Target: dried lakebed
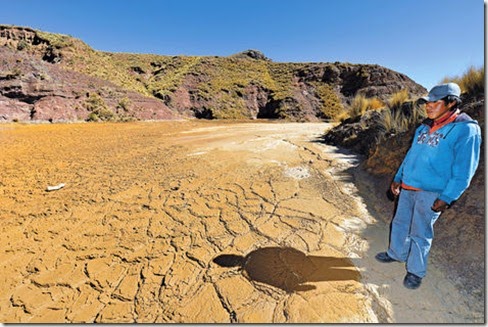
point(194, 222)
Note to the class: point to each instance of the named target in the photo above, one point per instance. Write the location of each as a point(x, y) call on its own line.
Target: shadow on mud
point(289, 269)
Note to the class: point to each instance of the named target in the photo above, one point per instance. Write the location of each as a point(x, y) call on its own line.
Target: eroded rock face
point(33, 90)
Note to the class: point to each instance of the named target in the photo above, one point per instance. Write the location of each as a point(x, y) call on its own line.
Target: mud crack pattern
point(148, 207)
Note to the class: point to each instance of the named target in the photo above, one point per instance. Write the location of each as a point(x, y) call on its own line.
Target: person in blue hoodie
point(435, 172)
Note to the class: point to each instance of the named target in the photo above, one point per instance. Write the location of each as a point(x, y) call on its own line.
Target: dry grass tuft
point(472, 81)
point(360, 104)
point(403, 118)
point(397, 99)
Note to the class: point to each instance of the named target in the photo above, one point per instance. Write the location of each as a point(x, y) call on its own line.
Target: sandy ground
point(192, 222)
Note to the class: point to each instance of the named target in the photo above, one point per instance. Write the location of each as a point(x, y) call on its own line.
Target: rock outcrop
point(34, 90)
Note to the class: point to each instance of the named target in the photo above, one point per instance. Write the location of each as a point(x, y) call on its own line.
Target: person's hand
point(439, 206)
point(395, 188)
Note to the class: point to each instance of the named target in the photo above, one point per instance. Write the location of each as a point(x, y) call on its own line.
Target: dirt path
point(195, 222)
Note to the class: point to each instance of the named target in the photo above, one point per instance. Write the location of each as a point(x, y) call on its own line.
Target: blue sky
point(425, 39)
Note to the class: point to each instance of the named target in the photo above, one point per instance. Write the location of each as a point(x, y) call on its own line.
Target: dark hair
point(452, 98)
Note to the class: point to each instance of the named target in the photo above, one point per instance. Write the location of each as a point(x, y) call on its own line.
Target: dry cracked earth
point(193, 222)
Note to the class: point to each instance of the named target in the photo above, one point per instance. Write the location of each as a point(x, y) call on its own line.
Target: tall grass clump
point(472, 81)
point(401, 114)
point(398, 121)
point(360, 104)
point(398, 99)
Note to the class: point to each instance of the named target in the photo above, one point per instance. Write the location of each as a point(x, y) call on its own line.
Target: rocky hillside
point(54, 77)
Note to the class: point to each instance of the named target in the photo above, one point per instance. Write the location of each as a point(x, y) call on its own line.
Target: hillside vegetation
point(64, 72)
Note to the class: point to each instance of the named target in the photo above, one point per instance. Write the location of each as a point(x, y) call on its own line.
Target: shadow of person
point(289, 269)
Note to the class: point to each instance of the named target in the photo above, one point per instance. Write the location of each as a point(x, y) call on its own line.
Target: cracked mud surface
point(192, 222)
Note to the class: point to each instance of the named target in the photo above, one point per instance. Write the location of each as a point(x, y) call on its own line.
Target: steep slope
point(246, 85)
point(31, 89)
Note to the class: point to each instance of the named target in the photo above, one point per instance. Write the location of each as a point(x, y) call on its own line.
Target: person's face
point(436, 109)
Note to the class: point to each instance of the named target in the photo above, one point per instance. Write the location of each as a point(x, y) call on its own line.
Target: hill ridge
point(127, 86)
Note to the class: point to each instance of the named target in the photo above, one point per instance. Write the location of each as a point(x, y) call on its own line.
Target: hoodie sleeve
point(399, 173)
point(467, 153)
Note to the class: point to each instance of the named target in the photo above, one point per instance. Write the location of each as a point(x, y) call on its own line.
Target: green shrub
point(98, 109)
point(332, 106)
point(92, 117)
point(124, 104)
point(22, 45)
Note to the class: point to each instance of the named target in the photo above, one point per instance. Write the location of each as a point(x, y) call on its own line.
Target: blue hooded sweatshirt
point(444, 161)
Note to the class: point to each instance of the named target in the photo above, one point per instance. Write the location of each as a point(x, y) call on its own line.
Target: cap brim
point(423, 100)
point(428, 99)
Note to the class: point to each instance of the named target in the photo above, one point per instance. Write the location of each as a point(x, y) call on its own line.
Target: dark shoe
point(384, 257)
point(412, 281)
